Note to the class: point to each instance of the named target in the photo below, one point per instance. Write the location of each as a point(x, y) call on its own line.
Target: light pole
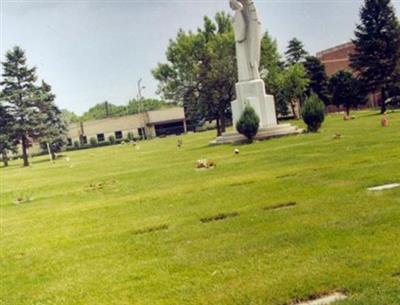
point(140, 106)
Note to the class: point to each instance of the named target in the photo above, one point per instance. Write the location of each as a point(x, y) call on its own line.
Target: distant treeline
point(106, 110)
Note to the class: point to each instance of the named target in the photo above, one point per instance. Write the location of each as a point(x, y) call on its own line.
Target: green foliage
point(22, 98)
point(69, 116)
point(93, 141)
point(76, 144)
point(134, 106)
point(53, 120)
point(291, 84)
point(248, 123)
point(111, 139)
point(6, 142)
point(295, 52)
point(346, 90)
point(201, 71)
point(377, 44)
point(315, 70)
point(313, 113)
point(131, 136)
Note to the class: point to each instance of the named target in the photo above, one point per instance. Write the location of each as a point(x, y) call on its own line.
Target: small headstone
point(385, 122)
point(325, 300)
point(384, 187)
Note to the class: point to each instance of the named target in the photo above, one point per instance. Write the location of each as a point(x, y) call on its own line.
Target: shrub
point(248, 123)
point(131, 136)
point(313, 113)
point(93, 141)
point(111, 139)
point(76, 144)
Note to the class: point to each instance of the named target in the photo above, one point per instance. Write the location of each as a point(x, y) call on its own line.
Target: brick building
point(337, 58)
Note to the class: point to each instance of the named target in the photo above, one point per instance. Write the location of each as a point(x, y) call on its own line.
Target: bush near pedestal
point(313, 113)
point(248, 123)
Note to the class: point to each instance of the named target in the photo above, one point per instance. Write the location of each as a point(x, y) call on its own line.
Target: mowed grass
point(286, 219)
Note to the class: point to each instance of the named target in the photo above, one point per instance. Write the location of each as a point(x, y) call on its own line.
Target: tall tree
point(6, 142)
point(315, 70)
point(56, 126)
point(21, 96)
point(377, 46)
point(295, 52)
point(201, 71)
point(292, 84)
point(346, 90)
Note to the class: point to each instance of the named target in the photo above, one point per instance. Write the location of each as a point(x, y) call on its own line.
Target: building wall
point(126, 124)
point(337, 58)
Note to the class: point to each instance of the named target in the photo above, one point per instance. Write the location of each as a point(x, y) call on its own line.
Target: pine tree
point(318, 79)
point(56, 126)
point(377, 46)
point(295, 52)
point(6, 142)
point(21, 97)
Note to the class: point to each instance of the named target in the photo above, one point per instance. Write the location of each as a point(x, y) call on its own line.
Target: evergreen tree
point(295, 52)
point(346, 90)
point(377, 47)
point(315, 70)
point(21, 96)
point(6, 142)
point(56, 126)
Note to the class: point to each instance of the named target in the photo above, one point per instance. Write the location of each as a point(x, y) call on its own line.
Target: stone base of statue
point(253, 93)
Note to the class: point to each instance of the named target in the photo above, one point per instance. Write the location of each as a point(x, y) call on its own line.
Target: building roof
point(166, 115)
point(342, 46)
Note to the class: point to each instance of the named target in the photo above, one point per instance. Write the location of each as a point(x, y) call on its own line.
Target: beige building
point(149, 124)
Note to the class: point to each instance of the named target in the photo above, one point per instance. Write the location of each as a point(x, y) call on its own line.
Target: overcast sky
point(92, 51)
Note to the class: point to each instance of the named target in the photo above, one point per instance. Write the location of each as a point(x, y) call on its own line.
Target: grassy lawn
point(121, 226)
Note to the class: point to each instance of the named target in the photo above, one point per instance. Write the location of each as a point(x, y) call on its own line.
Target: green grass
point(120, 226)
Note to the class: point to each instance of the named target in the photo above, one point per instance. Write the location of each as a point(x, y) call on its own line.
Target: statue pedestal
point(253, 93)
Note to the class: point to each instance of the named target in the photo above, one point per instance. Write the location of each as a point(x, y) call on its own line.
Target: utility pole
point(140, 107)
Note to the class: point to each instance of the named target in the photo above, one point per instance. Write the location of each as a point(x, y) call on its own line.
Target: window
point(100, 137)
point(69, 140)
point(142, 133)
point(118, 135)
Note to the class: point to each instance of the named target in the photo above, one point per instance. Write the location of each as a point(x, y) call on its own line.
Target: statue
point(250, 90)
point(247, 28)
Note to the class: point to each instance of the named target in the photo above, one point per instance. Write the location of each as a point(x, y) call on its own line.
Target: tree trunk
point(24, 151)
point(293, 106)
point(222, 119)
point(383, 99)
point(348, 110)
point(5, 158)
point(219, 132)
point(53, 155)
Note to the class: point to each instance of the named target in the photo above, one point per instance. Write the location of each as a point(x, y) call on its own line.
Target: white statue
point(250, 90)
point(247, 27)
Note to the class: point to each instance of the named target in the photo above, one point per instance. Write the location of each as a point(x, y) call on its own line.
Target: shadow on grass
point(150, 230)
point(219, 217)
point(280, 206)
